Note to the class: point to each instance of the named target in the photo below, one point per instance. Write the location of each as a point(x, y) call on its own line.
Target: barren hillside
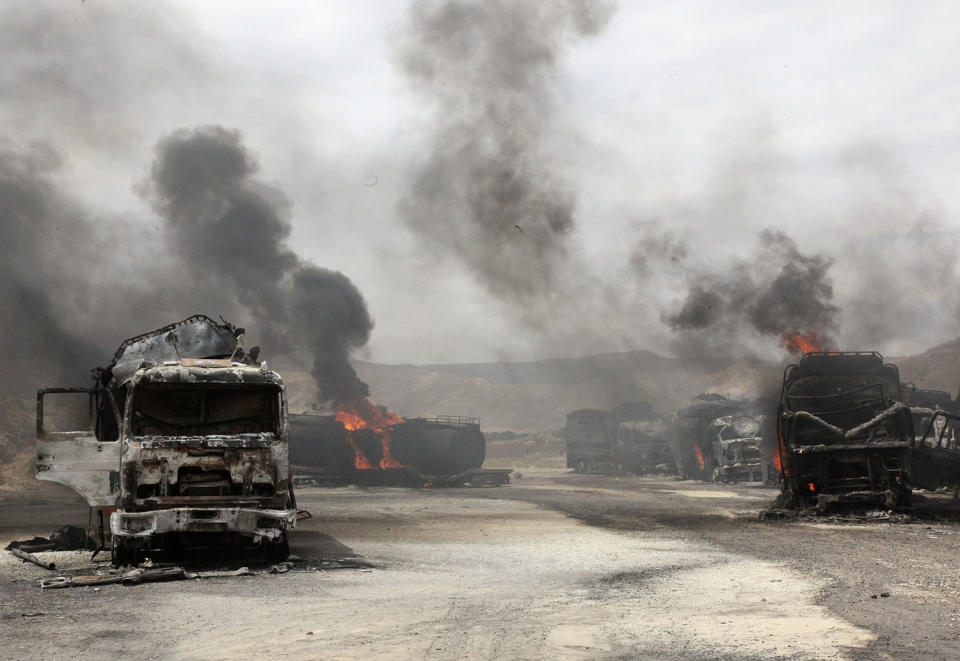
point(535, 396)
point(937, 368)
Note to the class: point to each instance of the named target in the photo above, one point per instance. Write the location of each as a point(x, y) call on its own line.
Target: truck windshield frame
point(199, 409)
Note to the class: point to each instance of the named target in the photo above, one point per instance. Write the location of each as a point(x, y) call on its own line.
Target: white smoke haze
point(509, 180)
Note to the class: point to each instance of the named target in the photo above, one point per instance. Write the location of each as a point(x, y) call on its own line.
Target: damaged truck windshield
point(174, 409)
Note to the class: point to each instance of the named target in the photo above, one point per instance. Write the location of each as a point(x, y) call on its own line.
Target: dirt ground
point(554, 565)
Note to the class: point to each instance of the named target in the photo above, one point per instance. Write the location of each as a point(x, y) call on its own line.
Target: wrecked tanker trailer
point(187, 445)
point(843, 431)
point(429, 447)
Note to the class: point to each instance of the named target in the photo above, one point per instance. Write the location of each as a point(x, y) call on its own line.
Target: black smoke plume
point(230, 232)
point(487, 194)
point(330, 312)
point(778, 288)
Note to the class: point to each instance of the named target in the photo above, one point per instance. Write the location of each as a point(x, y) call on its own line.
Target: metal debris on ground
point(937, 532)
point(885, 516)
point(126, 577)
point(29, 557)
point(106, 574)
point(66, 538)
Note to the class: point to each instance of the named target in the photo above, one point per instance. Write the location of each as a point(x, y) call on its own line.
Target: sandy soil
point(553, 566)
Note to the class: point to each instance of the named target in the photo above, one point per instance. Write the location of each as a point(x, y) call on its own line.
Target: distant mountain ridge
point(536, 395)
point(937, 368)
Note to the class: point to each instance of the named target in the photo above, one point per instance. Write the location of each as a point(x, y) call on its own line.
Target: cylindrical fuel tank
point(428, 446)
point(435, 448)
point(320, 441)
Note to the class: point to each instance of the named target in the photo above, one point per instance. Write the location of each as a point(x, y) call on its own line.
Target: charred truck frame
point(627, 439)
point(844, 433)
point(718, 439)
point(187, 445)
point(736, 448)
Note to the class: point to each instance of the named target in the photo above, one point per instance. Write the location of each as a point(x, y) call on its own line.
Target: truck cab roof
point(192, 370)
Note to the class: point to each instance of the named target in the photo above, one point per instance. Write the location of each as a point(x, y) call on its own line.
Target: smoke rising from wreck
point(231, 230)
point(779, 288)
point(67, 303)
point(487, 193)
point(487, 190)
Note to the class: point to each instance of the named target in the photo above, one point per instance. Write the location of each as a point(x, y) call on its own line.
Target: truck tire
point(122, 555)
point(277, 550)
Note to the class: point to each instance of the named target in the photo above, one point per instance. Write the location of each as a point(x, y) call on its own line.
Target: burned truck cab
point(844, 433)
point(187, 445)
point(204, 450)
point(736, 446)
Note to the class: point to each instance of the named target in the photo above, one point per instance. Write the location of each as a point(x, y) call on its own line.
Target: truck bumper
point(261, 524)
point(742, 473)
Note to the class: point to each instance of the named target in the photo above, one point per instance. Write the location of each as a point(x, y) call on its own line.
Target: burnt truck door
point(77, 458)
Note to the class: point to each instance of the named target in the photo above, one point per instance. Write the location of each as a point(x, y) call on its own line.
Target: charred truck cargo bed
point(187, 441)
point(844, 433)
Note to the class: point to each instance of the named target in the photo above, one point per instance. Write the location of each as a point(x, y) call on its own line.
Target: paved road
point(552, 566)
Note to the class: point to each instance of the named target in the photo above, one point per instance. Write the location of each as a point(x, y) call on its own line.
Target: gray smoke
point(41, 256)
point(777, 289)
point(487, 194)
point(899, 258)
point(75, 281)
point(230, 231)
point(903, 285)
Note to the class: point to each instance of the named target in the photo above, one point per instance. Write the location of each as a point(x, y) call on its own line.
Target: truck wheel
point(121, 555)
point(788, 497)
point(278, 550)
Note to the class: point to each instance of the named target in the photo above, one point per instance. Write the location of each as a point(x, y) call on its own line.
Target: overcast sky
point(703, 121)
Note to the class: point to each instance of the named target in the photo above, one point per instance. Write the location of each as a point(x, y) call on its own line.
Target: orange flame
point(781, 451)
point(796, 342)
point(364, 414)
point(700, 460)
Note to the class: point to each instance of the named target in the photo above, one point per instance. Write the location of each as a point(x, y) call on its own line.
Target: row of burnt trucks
point(844, 429)
point(186, 441)
point(714, 439)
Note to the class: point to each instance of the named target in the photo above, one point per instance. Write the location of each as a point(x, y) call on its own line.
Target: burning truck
point(718, 439)
point(736, 446)
point(844, 433)
point(186, 445)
